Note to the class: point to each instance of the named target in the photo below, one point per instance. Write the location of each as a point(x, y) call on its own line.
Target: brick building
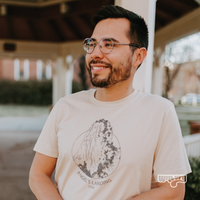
point(25, 69)
point(186, 81)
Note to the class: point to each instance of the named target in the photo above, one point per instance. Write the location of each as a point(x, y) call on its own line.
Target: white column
point(157, 85)
point(157, 82)
point(62, 77)
point(59, 79)
point(145, 8)
point(48, 71)
point(16, 69)
point(69, 75)
point(39, 66)
point(55, 88)
point(26, 69)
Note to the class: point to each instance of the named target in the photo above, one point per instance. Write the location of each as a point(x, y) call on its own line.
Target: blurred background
point(42, 60)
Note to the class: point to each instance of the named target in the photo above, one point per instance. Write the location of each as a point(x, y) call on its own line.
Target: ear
point(140, 55)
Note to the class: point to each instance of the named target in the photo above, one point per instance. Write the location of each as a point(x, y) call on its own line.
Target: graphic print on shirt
point(97, 151)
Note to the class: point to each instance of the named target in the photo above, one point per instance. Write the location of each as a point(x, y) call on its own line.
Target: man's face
point(107, 70)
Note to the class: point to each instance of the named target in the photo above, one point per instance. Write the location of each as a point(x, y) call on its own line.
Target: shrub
point(26, 92)
point(193, 180)
point(76, 87)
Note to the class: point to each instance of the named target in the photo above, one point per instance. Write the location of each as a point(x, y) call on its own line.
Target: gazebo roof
point(43, 20)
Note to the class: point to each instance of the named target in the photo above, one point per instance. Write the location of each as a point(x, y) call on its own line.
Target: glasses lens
point(88, 45)
point(106, 45)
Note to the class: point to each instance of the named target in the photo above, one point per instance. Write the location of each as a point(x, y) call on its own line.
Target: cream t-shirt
point(111, 150)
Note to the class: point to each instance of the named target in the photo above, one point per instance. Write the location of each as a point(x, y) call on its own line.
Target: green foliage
point(193, 180)
point(26, 92)
point(82, 74)
point(76, 87)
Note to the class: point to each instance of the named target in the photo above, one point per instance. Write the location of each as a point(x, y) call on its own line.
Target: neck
point(113, 93)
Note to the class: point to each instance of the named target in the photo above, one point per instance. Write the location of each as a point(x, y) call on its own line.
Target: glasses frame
point(113, 43)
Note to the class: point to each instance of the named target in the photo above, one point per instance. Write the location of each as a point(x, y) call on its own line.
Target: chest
point(98, 141)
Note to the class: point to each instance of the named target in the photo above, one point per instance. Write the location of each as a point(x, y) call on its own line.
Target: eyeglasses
point(106, 45)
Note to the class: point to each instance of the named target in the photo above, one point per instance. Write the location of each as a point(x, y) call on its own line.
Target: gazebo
point(55, 29)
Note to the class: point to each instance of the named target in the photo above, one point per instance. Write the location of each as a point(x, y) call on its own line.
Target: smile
point(98, 68)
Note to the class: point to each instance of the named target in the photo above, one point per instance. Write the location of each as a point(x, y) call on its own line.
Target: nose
point(97, 54)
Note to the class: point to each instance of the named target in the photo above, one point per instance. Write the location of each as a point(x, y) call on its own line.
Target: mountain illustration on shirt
point(97, 151)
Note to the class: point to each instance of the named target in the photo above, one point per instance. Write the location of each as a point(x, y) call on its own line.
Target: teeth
point(98, 67)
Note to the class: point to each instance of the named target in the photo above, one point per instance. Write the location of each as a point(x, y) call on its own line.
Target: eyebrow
point(113, 39)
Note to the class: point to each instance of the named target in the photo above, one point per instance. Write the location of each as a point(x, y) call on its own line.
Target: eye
point(91, 44)
point(107, 43)
point(88, 43)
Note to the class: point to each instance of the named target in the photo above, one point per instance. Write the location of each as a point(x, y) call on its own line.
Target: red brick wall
point(7, 69)
point(0, 70)
point(32, 69)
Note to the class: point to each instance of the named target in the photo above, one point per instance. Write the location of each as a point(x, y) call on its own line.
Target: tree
point(176, 52)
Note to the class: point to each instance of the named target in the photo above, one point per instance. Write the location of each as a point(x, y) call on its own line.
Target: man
point(110, 143)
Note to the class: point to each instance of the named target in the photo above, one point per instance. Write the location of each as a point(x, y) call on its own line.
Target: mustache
point(99, 62)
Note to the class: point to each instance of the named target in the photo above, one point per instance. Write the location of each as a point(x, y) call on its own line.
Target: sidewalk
point(20, 127)
point(22, 123)
point(16, 156)
point(22, 118)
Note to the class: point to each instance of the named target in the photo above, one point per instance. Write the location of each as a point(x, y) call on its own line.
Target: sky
point(183, 50)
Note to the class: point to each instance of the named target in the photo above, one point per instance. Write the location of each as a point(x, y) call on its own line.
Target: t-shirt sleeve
point(47, 142)
point(170, 155)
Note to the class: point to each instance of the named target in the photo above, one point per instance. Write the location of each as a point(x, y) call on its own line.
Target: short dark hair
point(138, 32)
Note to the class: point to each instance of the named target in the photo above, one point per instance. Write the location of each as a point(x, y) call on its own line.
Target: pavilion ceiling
point(42, 20)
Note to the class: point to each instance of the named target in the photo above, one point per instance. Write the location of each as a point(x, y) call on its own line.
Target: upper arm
point(43, 164)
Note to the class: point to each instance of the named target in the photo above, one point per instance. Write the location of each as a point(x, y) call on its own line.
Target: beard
point(117, 74)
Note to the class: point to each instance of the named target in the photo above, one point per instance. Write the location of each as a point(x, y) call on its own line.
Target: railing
point(192, 144)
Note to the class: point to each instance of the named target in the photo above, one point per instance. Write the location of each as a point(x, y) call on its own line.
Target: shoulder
point(78, 96)
point(154, 100)
point(71, 103)
point(74, 101)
